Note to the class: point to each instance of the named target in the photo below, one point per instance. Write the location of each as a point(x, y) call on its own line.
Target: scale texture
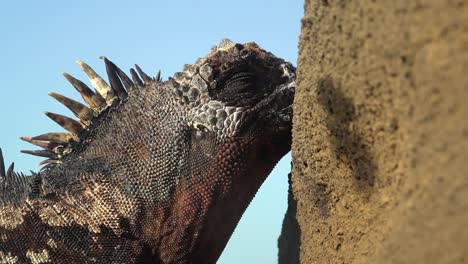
point(153, 171)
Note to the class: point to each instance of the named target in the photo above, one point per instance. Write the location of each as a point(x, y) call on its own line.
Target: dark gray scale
point(221, 114)
point(199, 83)
point(193, 94)
point(206, 72)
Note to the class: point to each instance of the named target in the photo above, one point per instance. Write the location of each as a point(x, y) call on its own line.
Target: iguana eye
point(237, 90)
point(240, 82)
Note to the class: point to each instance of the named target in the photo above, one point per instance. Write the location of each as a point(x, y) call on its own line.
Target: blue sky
point(42, 39)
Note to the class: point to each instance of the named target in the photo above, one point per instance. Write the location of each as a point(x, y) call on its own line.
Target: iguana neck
point(148, 179)
point(227, 210)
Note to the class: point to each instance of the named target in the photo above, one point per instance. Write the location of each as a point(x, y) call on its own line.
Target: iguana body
point(154, 172)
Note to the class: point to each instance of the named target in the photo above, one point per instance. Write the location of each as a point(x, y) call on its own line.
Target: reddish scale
point(205, 210)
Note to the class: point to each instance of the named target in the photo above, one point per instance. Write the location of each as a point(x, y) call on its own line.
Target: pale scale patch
point(38, 257)
point(10, 217)
point(8, 258)
point(52, 243)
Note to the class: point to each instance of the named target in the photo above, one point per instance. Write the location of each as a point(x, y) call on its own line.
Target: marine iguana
point(153, 171)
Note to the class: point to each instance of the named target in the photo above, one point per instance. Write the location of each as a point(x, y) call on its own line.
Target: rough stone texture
point(380, 138)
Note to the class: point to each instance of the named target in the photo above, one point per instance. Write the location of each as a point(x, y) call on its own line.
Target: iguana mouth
point(287, 90)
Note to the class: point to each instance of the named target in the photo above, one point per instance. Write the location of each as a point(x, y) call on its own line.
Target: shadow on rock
point(349, 145)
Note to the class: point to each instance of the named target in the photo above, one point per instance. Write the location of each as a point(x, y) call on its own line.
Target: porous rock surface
point(380, 137)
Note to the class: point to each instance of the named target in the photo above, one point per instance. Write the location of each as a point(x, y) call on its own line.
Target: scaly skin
point(154, 172)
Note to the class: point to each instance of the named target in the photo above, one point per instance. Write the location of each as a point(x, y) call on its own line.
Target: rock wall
point(380, 138)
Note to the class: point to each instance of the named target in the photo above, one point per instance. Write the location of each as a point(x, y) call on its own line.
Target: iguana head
point(237, 89)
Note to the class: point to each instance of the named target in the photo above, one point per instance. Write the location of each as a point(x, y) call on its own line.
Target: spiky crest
point(18, 185)
point(56, 145)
